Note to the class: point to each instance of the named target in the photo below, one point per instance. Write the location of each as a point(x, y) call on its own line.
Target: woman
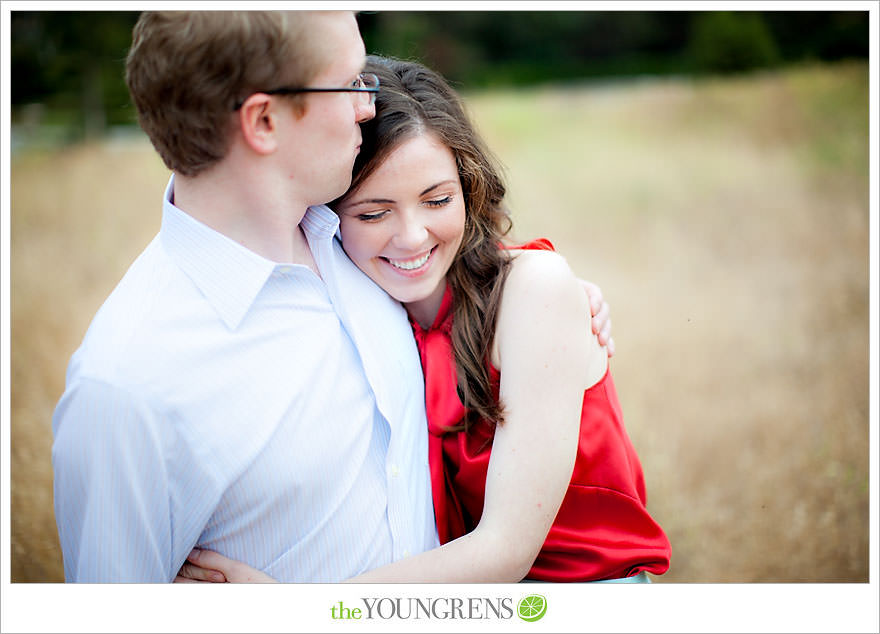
point(533, 473)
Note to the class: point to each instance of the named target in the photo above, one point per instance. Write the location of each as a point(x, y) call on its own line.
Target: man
point(245, 388)
point(233, 392)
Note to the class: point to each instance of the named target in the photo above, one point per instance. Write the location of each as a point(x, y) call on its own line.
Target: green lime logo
point(532, 608)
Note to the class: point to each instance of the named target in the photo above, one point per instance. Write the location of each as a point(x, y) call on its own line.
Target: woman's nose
point(411, 234)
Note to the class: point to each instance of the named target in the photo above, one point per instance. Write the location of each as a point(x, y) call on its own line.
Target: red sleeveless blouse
point(602, 530)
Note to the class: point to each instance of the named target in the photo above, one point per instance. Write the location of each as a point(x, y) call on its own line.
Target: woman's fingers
point(196, 573)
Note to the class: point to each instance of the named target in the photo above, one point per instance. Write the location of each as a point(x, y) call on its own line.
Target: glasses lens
point(371, 83)
point(369, 80)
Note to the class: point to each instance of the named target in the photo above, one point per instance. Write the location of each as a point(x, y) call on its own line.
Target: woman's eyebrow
point(371, 201)
point(437, 185)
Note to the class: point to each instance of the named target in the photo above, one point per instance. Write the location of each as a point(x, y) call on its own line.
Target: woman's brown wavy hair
point(413, 100)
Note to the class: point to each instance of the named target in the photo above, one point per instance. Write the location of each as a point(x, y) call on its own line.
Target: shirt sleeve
point(112, 490)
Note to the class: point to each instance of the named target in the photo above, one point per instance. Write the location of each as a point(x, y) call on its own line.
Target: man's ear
point(257, 118)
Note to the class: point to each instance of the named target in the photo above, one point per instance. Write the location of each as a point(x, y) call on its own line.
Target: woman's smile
point(414, 266)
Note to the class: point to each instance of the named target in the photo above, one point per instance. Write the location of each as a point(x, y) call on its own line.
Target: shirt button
point(406, 553)
point(285, 269)
point(394, 471)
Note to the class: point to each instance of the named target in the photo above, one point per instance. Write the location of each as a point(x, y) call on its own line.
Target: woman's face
point(404, 224)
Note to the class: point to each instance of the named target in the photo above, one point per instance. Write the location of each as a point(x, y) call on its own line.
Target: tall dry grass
point(727, 223)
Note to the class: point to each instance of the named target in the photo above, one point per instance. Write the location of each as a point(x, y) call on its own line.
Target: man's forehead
point(342, 48)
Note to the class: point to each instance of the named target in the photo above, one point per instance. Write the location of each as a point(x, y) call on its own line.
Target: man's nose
point(364, 111)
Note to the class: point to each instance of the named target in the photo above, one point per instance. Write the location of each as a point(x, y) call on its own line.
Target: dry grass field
point(727, 223)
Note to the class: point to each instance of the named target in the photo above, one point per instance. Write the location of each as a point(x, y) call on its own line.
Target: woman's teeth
point(409, 265)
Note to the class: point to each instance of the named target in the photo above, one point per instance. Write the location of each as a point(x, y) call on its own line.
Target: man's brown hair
point(186, 71)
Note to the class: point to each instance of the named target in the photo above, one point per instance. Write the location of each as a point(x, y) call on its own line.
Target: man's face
point(328, 137)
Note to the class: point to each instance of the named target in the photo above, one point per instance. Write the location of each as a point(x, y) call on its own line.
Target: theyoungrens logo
point(530, 608)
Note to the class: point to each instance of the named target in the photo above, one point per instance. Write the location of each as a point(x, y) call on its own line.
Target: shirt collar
point(320, 222)
point(229, 275)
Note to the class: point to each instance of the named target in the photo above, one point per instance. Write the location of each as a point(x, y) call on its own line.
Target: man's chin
point(339, 192)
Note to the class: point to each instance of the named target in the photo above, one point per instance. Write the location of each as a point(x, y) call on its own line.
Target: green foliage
point(726, 42)
point(72, 62)
point(502, 48)
point(68, 66)
point(819, 35)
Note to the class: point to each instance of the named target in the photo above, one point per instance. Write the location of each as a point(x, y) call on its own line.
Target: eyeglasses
point(366, 83)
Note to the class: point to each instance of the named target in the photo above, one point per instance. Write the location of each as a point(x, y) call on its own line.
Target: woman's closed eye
point(372, 216)
point(439, 202)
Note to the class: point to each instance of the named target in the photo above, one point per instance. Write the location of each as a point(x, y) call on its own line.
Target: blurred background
point(709, 170)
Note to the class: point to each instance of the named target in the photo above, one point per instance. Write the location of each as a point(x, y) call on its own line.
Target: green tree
point(72, 62)
point(727, 42)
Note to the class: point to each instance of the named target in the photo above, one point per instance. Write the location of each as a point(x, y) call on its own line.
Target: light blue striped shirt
point(225, 401)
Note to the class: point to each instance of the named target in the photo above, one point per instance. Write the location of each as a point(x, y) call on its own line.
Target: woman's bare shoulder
point(545, 311)
point(534, 270)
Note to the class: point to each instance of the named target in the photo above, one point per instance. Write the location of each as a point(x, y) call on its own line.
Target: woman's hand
point(600, 312)
point(210, 567)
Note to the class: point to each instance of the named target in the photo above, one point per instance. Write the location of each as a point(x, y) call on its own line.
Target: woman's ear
point(259, 125)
